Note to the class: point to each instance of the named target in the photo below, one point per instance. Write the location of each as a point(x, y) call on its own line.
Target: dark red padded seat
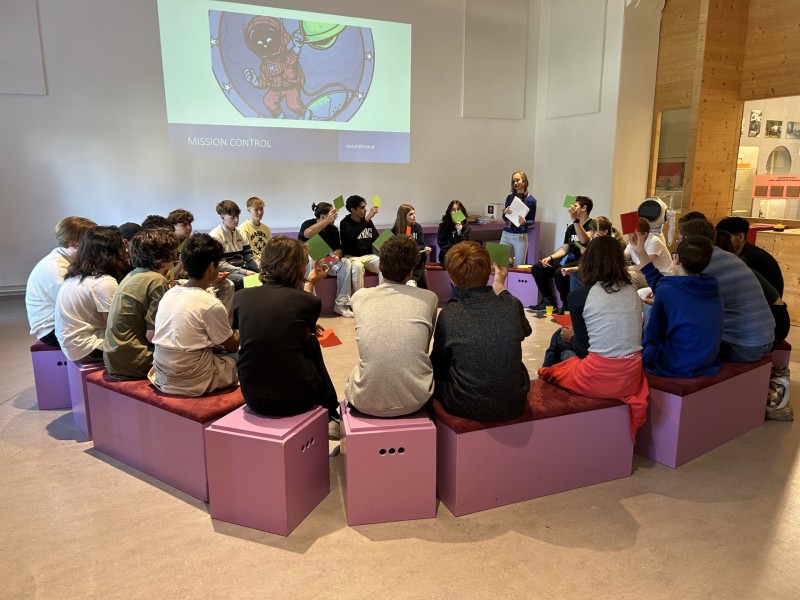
point(202, 409)
point(434, 267)
point(545, 400)
point(684, 387)
point(784, 345)
point(40, 346)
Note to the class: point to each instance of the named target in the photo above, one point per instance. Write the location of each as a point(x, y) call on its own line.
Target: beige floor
point(76, 524)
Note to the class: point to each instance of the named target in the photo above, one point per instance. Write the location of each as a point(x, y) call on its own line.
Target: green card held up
point(251, 281)
point(458, 216)
point(377, 201)
point(499, 253)
point(569, 201)
point(338, 203)
point(318, 248)
point(387, 233)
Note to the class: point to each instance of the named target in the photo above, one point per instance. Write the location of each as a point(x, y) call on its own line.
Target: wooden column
point(716, 109)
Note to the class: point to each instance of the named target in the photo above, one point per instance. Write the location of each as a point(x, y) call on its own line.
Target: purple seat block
point(438, 282)
point(50, 377)
point(682, 426)
point(781, 355)
point(521, 285)
point(267, 473)
point(76, 376)
point(389, 467)
point(486, 468)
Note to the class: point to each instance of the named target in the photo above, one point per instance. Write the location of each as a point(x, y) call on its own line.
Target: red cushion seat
point(684, 387)
point(202, 409)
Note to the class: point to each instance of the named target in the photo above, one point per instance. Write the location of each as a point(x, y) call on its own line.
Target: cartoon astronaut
point(280, 72)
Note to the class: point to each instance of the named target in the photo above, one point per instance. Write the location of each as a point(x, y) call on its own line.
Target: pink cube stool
point(560, 442)
point(781, 355)
point(158, 434)
point(521, 285)
point(389, 467)
point(267, 473)
point(50, 377)
point(76, 376)
point(438, 281)
point(688, 417)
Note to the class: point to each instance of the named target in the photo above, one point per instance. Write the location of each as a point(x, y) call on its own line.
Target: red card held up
point(563, 320)
point(408, 230)
point(629, 222)
point(328, 338)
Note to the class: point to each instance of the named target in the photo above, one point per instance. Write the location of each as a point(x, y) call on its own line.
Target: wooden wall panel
point(772, 54)
point(677, 54)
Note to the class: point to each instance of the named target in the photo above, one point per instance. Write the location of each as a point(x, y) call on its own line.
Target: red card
point(563, 320)
point(223, 274)
point(327, 259)
point(629, 222)
point(328, 338)
point(408, 229)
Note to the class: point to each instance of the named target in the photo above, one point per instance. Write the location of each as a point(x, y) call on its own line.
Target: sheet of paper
point(563, 320)
point(251, 281)
point(328, 338)
point(518, 209)
point(338, 203)
point(382, 238)
point(498, 253)
point(377, 201)
point(459, 216)
point(318, 248)
point(629, 222)
point(569, 201)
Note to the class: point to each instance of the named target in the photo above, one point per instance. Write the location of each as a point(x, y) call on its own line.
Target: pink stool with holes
point(50, 377)
point(389, 467)
point(267, 473)
point(781, 355)
point(76, 374)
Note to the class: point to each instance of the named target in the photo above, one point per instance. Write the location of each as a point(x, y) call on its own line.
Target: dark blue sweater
point(683, 335)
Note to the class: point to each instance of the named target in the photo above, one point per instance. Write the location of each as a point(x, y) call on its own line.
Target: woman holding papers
point(281, 369)
point(519, 214)
point(600, 356)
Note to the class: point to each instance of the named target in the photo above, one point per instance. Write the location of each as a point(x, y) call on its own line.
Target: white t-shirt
point(656, 247)
point(42, 290)
point(80, 323)
point(189, 318)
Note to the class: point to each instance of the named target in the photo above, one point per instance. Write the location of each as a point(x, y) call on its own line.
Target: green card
point(377, 201)
point(251, 281)
point(338, 203)
point(318, 248)
point(387, 233)
point(499, 253)
point(458, 216)
point(569, 201)
point(578, 244)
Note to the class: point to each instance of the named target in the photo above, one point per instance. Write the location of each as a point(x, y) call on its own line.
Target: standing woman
point(516, 234)
point(84, 298)
point(600, 356)
point(280, 365)
point(323, 224)
point(450, 232)
point(406, 224)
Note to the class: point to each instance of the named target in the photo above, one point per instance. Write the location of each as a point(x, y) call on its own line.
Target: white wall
point(97, 144)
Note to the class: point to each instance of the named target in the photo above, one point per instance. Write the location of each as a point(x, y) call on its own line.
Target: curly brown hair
point(149, 248)
point(100, 252)
point(283, 262)
point(604, 262)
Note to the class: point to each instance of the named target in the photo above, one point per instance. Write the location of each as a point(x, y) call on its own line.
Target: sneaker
point(334, 430)
point(542, 306)
point(343, 311)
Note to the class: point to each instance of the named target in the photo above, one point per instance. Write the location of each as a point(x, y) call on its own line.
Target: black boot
point(542, 306)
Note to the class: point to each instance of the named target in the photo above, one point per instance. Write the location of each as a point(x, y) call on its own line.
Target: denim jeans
point(519, 242)
point(558, 351)
point(743, 354)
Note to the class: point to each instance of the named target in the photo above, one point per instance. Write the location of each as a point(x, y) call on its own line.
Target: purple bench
point(76, 378)
point(781, 355)
point(389, 467)
point(50, 377)
point(326, 290)
point(688, 417)
point(560, 442)
point(267, 473)
point(158, 434)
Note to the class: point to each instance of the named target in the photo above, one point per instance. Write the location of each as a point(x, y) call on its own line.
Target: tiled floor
point(76, 524)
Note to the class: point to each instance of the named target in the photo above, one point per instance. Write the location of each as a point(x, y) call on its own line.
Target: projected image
point(269, 67)
point(263, 83)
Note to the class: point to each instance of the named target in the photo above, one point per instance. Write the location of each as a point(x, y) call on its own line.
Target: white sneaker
point(334, 430)
point(343, 311)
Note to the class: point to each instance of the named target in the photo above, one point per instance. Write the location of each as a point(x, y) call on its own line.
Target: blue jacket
point(683, 335)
